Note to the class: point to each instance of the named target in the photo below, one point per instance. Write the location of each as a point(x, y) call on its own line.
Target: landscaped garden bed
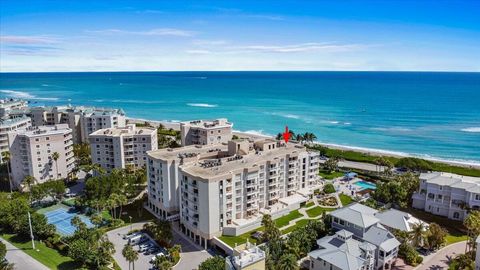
point(330, 201)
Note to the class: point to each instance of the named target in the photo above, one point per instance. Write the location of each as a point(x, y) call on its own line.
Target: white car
point(160, 254)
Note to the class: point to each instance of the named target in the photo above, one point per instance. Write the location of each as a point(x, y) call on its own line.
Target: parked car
point(128, 236)
point(137, 239)
point(151, 250)
point(144, 247)
point(160, 254)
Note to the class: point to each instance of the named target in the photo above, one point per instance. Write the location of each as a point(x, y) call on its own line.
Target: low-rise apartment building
point(446, 194)
point(226, 188)
point(82, 120)
point(122, 147)
point(32, 153)
point(361, 242)
point(204, 132)
point(8, 125)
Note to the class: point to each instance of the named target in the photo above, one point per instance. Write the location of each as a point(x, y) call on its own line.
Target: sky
point(122, 35)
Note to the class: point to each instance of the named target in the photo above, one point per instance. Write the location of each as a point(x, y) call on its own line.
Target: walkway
point(441, 258)
point(21, 259)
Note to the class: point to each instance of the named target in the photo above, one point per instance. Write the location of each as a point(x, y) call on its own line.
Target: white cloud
point(198, 52)
point(27, 40)
point(151, 32)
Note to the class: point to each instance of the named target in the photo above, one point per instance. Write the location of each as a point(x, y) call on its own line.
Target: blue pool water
point(365, 185)
point(426, 114)
point(62, 218)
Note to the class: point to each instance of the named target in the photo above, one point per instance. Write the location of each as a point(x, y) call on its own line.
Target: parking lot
point(190, 257)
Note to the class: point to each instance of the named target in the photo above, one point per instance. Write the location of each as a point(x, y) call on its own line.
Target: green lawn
point(345, 199)
point(47, 256)
point(309, 204)
point(330, 175)
point(283, 221)
point(317, 211)
point(451, 239)
point(298, 224)
point(241, 239)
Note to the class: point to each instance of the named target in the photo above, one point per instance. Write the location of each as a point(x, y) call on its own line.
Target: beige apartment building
point(32, 150)
point(8, 125)
point(203, 132)
point(82, 120)
point(122, 147)
point(226, 188)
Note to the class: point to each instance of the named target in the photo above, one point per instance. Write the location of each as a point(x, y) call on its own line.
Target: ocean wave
point(471, 129)
point(333, 122)
point(25, 95)
point(347, 123)
point(258, 132)
point(203, 105)
point(285, 115)
point(392, 129)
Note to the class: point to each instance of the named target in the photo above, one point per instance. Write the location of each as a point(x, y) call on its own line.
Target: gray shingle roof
point(381, 237)
point(357, 214)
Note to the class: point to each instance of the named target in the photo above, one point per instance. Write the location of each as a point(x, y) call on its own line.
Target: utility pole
point(31, 230)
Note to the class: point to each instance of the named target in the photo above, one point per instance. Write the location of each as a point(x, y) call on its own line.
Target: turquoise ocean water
point(427, 114)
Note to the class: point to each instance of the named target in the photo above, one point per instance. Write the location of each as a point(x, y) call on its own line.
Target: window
point(47, 138)
point(456, 215)
point(477, 197)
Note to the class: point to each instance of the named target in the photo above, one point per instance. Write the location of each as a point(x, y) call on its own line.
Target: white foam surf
point(202, 105)
point(25, 95)
point(471, 129)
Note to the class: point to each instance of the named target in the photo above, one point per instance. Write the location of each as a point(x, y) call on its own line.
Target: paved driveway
point(190, 257)
point(441, 258)
point(21, 259)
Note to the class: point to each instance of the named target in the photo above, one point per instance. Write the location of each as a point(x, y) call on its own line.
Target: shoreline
point(368, 151)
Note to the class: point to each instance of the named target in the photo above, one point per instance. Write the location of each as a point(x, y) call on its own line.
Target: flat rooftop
point(252, 159)
point(119, 131)
point(217, 123)
point(44, 130)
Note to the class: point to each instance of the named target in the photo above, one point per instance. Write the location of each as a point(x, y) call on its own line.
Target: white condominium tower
point(32, 153)
point(7, 105)
point(226, 188)
point(8, 125)
point(204, 132)
point(122, 147)
point(82, 120)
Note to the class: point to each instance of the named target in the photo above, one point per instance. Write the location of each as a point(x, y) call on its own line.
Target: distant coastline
point(374, 152)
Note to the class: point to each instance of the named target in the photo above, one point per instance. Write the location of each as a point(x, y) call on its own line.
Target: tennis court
point(61, 218)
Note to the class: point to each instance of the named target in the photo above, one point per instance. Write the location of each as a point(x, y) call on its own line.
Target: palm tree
point(418, 234)
point(29, 180)
point(130, 255)
point(288, 262)
point(6, 159)
point(55, 157)
point(279, 136)
point(121, 201)
point(299, 138)
point(472, 223)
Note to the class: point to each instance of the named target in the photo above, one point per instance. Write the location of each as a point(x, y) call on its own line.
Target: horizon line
point(218, 71)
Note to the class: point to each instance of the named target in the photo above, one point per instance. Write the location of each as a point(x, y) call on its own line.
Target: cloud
point(27, 40)
point(152, 32)
point(291, 48)
point(28, 45)
point(198, 52)
point(304, 47)
point(210, 42)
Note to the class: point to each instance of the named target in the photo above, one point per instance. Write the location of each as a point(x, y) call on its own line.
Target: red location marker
point(286, 135)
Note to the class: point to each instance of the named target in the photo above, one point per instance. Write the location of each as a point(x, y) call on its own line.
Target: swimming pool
point(365, 185)
point(62, 218)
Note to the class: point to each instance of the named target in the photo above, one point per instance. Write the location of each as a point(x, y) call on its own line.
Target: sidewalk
point(21, 259)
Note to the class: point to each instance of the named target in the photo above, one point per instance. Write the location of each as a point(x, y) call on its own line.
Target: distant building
point(82, 120)
point(202, 132)
point(122, 147)
point(8, 125)
point(446, 194)
point(361, 242)
point(226, 188)
point(250, 257)
point(32, 150)
point(7, 105)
